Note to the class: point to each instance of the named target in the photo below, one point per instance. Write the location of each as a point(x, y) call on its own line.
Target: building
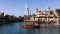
point(26, 10)
point(47, 16)
point(1, 13)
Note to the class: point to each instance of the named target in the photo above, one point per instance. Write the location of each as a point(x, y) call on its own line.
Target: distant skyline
point(16, 7)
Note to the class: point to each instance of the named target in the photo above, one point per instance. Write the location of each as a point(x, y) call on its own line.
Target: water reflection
point(48, 30)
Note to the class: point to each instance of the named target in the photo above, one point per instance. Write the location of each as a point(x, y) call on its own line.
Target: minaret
point(26, 10)
point(48, 9)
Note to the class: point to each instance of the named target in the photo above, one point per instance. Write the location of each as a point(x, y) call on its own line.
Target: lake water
point(14, 28)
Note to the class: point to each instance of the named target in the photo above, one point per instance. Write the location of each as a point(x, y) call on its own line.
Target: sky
point(16, 7)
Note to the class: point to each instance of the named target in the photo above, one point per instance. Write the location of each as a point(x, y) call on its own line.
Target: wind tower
point(48, 9)
point(26, 10)
point(36, 10)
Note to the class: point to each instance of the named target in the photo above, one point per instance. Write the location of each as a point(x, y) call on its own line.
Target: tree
point(26, 17)
point(20, 18)
point(34, 15)
point(58, 11)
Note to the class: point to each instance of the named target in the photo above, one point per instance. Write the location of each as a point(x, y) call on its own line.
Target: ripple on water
point(15, 29)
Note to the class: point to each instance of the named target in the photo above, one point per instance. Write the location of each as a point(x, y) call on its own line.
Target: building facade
point(47, 16)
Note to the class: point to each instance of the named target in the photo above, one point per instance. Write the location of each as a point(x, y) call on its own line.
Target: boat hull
point(29, 26)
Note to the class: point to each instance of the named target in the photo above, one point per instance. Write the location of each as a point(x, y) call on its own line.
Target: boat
point(42, 17)
point(30, 26)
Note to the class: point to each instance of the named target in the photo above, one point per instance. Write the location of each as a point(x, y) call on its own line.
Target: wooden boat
point(29, 26)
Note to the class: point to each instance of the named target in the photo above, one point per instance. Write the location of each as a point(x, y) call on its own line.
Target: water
point(14, 28)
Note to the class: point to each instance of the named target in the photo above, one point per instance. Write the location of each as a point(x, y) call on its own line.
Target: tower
point(48, 9)
point(26, 10)
point(36, 9)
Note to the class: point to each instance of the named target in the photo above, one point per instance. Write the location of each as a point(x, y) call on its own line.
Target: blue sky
point(16, 7)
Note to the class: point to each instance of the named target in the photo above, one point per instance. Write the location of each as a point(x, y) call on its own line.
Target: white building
point(45, 15)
